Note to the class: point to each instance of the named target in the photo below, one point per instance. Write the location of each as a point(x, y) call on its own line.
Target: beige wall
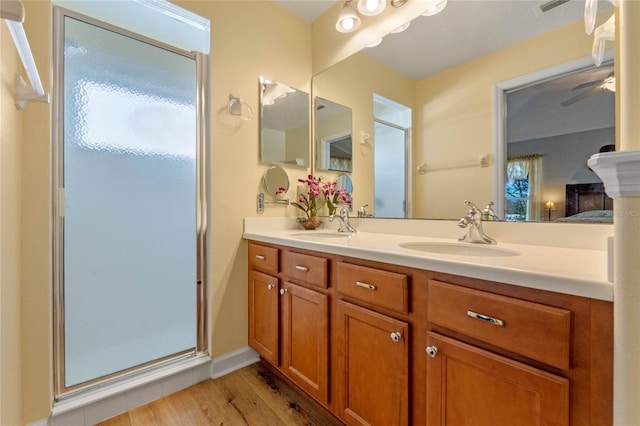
point(627, 225)
point(36, 226)
point(454, 117)
point(10, 211)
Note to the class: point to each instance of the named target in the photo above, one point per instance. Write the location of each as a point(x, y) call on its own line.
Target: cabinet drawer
point(534, 330)
point(377, 287)
point(305, 268)
point(263, 258)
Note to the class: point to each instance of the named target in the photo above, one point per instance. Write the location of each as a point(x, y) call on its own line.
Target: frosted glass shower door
point(390, 175)
point(129, 176)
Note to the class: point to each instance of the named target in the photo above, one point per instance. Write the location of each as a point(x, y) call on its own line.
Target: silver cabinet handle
point(283, 291)
point(486, 318)
point(365, 285)
point(432, 351)
point(395, 336)
point(270, 286)
point(260, 257)
point(301, 268)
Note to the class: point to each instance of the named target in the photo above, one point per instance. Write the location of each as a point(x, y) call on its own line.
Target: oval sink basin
point(460, 249)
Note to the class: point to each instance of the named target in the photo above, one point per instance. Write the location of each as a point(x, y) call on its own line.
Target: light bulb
point(347, 20)
point(371, 7)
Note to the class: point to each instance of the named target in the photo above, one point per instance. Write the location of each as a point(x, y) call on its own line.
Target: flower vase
point(309, 223)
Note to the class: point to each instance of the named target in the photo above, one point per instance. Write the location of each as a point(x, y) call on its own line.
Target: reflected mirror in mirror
point(334, 145)
point(446, 68)
point(284, 124)
point(343, 182)
point(275, 180)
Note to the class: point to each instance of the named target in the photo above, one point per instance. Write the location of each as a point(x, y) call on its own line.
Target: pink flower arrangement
point(317, 192)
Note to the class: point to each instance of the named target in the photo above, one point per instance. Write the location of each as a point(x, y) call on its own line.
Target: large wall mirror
point(445, 69)
point(284, 124)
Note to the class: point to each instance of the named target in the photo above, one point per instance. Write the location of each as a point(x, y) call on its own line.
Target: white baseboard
point(92, 407)
point(232, 361)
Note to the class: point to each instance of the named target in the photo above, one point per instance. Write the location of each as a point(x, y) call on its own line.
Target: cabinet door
point(471, 386)
point(305, 339)
point(372, 367)
point(263, 315)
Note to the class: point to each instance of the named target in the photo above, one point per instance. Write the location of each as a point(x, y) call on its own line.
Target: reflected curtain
point(528, 167)
point(337, 163)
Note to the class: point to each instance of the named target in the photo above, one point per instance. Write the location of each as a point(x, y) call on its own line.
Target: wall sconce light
point(435, 8)
point(549, 205)
point(371, 7)
point(348, 20)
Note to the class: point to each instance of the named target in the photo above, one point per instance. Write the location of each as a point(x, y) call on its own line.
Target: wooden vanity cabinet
point(373, 367)
point(380, 344)
point(468, 385)
point(289, 315)
point(264, 318)
point(373, 348)
point(305, 339)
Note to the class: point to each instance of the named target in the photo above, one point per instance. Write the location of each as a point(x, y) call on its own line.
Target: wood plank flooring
point(253, 395)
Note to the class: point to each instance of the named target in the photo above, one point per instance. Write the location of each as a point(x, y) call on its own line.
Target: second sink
point(460, 249)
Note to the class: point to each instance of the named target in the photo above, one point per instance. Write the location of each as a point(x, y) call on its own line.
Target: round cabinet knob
point(395, 336)
point(432, 351)
point(270, 286)
point(283, 291)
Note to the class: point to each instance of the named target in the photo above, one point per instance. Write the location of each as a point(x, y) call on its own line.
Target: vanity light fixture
point(348, 20)
point(435, 8)
point(375, 43)
point(401, 28)
point(371, 7)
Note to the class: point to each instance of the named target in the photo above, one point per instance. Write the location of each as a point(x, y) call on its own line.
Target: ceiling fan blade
point(582, 95)
point(587, 84)
point(592, 83)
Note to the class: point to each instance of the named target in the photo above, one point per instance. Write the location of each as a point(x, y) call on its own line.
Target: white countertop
point(570, 270)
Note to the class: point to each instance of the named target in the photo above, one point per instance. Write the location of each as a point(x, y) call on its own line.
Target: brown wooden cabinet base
point(353, 334)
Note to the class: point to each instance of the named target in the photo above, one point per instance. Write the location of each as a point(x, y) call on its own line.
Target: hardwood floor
point(253, 395)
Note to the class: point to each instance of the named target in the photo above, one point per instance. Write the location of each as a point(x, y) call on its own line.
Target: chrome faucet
point(345, 226)
point(488, 213)
point(473, 223)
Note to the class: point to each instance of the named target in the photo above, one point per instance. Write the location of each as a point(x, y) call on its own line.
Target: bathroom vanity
point(427, 337)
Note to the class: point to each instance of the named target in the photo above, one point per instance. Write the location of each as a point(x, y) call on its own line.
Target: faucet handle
point(471, 205)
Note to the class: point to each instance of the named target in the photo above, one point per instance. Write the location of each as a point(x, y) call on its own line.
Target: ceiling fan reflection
point(596, 86)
